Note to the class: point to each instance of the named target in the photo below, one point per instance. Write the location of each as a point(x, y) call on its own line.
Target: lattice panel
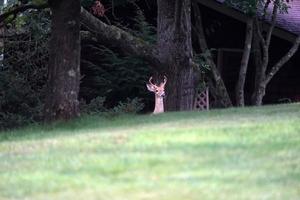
point(202, 100)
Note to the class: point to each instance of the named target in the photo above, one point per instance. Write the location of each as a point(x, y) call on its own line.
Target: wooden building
point(225, 31)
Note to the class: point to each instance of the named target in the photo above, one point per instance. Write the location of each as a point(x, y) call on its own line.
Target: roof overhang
point(279, 32)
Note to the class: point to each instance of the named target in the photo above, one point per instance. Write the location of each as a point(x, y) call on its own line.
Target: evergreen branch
point(20, 9)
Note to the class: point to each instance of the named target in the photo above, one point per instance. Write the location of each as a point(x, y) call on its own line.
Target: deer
point(159, 91)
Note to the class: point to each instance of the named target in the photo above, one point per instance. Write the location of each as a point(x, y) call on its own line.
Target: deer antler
point(165, 81)
point(150, 81)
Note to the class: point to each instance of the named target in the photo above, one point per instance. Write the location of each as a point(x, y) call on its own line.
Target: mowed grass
point(250, 153)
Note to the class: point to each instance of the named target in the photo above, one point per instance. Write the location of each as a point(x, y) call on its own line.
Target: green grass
point(250, 153)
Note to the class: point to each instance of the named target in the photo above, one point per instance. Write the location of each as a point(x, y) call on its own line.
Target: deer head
point(159, 91)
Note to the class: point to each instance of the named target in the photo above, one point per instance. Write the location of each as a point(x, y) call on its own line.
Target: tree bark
point(219, 86)
point(259, 74)
point(64, 64)
point(259, 94)
point(175, 52)
point(239, 91)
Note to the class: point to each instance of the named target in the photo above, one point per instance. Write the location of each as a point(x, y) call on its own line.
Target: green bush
point(20, 103)
point(130, 106)
point(95, 106)
point(24, 70)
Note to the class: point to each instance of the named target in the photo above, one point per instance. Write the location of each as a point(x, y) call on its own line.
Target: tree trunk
point(221, 93)
point(259, 94)
point(259, 74)
point(175, 52)
point(64, 64)
point(239, 91)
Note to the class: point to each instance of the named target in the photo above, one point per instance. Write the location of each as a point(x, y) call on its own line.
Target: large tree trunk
point(239, 90)
point(64, 64)
point(175, 52)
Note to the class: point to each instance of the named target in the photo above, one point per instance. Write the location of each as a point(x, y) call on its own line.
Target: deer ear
point(150, 87)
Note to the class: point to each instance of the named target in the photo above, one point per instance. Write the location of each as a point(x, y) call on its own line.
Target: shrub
point(129, 106)
point(23, 71)
point(95, 106)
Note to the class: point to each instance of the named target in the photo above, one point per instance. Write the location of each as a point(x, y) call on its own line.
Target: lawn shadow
point(108, 123)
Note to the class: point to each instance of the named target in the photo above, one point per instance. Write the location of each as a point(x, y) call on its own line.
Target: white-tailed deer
point(159, 92)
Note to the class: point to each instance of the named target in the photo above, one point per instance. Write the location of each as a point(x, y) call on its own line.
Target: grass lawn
point(250, 153)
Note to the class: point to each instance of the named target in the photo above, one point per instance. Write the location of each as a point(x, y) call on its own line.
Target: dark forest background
point(111, 81)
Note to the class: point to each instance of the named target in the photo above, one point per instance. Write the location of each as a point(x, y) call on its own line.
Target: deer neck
point(159, 105)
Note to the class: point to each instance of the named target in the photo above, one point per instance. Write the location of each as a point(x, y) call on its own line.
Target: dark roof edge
point(279, 32)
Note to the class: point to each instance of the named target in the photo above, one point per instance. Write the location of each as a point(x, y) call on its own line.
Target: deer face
point(159, 90)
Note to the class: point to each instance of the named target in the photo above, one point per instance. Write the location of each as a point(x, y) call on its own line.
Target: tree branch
point(273, 22)
point(265, 9)
point(240, 97)
point(283, 60)
point(259, 32)
point(112, 35)
point(266, 44)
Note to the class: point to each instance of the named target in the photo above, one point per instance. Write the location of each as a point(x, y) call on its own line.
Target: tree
point(64, 63)
point(260, 34)
point(262, 40)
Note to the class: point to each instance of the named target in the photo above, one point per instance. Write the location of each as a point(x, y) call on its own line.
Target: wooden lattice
point(202, 100)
